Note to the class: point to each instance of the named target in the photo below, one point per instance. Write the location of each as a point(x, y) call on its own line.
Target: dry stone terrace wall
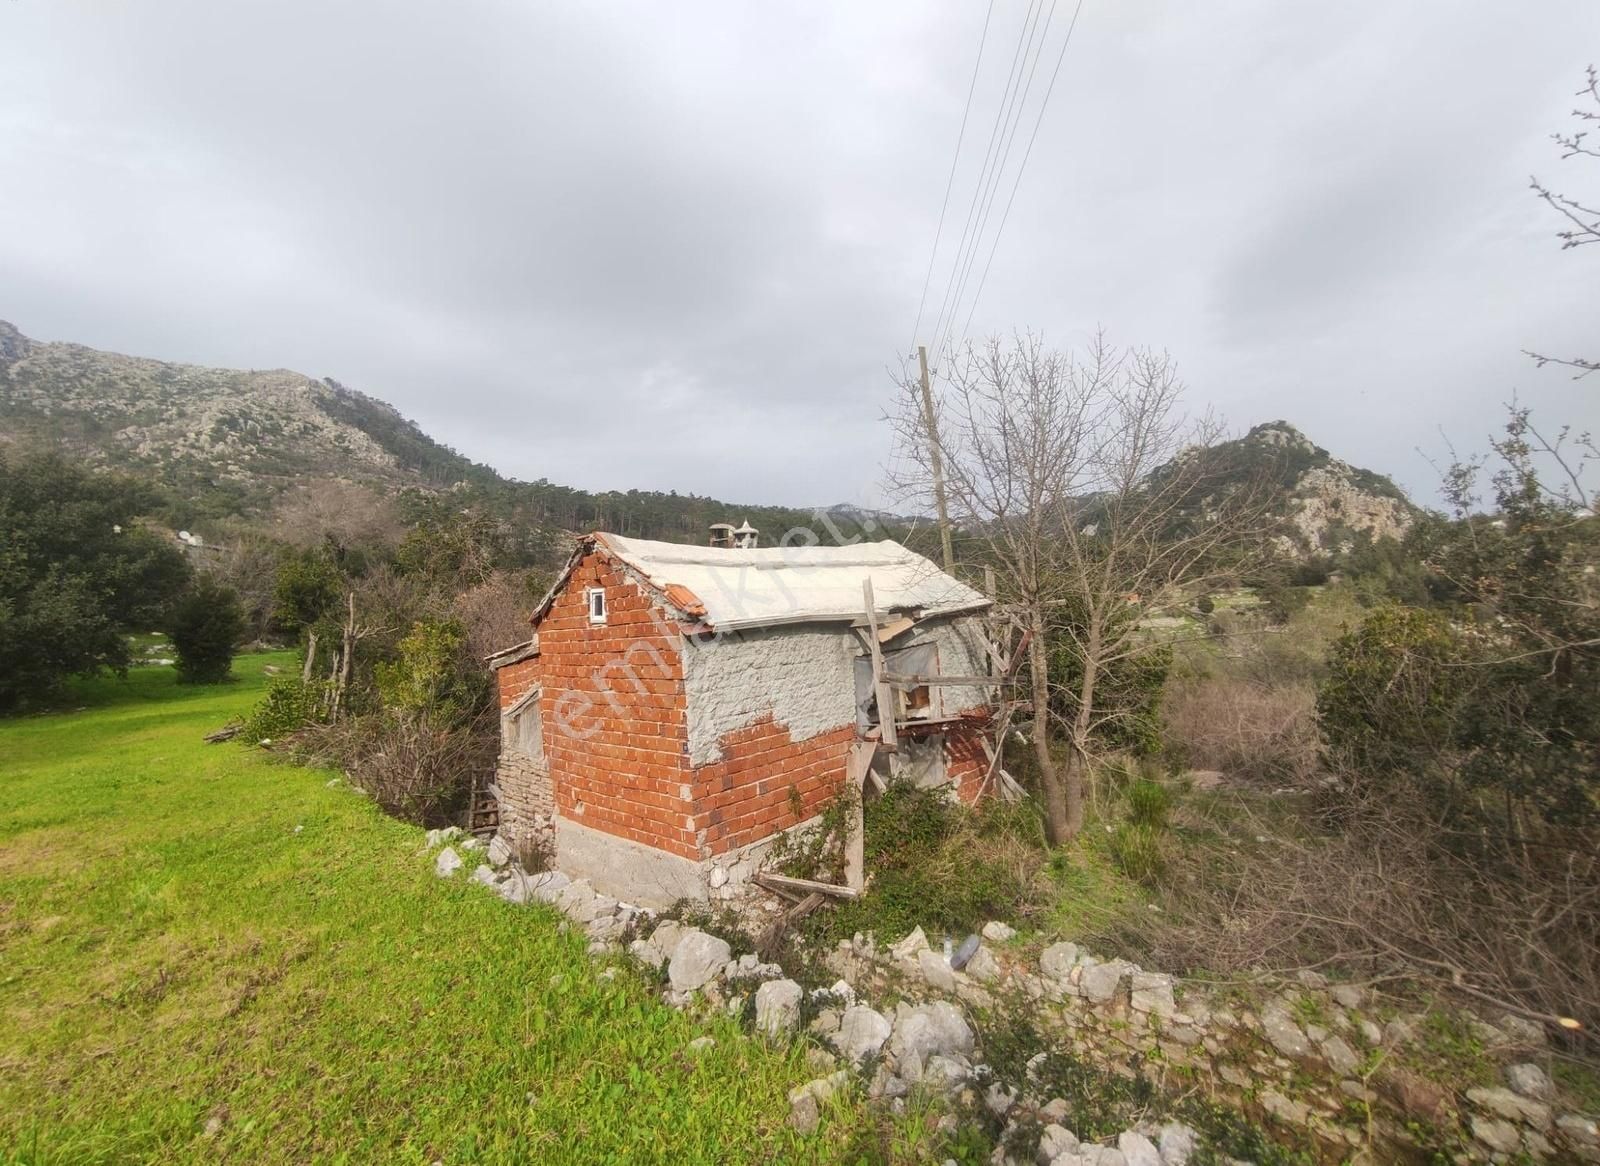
point(899, 1020)
point(1314, 1061)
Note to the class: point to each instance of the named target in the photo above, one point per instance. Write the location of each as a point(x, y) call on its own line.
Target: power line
point(1030, 21)
point(1023, 165)
point(951, 181)
point(1013, 122)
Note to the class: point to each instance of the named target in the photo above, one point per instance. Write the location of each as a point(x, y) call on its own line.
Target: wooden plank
point(768, 947)
point(893, 628)
point(885, 694)
point(784, 884)
point(914, 681)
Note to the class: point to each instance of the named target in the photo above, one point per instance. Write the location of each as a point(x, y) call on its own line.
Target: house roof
point(513, 655)
point(732, 588)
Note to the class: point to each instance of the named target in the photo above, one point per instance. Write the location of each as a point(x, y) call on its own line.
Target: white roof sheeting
point(760, 586)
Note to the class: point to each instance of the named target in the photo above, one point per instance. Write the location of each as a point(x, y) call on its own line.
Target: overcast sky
point(677, 246)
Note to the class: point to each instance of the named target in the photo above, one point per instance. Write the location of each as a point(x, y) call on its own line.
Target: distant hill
point(228, 442)
point(241, 434)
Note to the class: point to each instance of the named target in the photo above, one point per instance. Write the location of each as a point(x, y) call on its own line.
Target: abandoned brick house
point(680, 706)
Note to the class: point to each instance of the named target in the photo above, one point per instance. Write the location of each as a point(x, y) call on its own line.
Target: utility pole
point(936, 461)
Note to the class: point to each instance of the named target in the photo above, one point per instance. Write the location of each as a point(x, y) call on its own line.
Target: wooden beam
point(855, 839)
point(959, 681)
point(783, 884)
point(768, 947)
point(885, 694)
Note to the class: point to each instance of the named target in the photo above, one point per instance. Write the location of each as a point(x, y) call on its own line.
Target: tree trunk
point(311, 656)
point(1078, 769)
point(1057, 815)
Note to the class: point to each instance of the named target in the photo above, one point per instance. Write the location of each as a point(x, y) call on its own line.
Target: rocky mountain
point(1323, 504)
point(227, 442)
point(243, 433)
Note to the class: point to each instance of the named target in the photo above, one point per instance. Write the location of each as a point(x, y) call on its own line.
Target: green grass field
point(192, 935)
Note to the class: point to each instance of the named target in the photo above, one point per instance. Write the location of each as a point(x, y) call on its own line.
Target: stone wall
point(1320, 1062)
point(526, 802)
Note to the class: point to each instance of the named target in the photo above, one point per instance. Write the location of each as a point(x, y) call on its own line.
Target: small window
point(597, 604)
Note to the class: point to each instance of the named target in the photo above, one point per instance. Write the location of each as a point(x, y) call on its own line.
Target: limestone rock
point(1058, 959)
point(1138, 1150)
point(447, 863)
point(1101, 982)
point(1177, 1142)
point(1290, 1112)
point(696, 960)
point(936, 971)
point(1152, 993)
point(547, 889)
point(908, 947)
point(1339, 1055)
point(1509, 1105)
point(701, 1043)
point(1530, 1081)
point(1525, 1032)
point(862, 1033)
point(949, 1073)
point(997, 932)
point(983, 966)
point(804, 1114)
point(1053, 1142)
point(1348, 995)
point(1285, 1034)
point(499, 851)
point(1498, 1135)
point(1581, 1131)
point(778, 1006)
point(484, 873)
point(515, 889)
point(928, 1030)
point(657, 948)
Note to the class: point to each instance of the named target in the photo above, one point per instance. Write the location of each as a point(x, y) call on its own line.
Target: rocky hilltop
point(1323, 504)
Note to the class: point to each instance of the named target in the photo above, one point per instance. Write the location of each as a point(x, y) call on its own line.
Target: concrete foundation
point(626, 869)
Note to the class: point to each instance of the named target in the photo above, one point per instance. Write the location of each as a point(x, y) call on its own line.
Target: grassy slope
point(188, 929)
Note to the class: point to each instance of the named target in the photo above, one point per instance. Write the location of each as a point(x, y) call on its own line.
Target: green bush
point(934, 863)
point(207, 624)
point(1390, 703)
point(289, 705)
point(433, 676)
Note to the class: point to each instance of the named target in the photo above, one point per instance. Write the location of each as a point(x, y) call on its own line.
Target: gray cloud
point(676, 247)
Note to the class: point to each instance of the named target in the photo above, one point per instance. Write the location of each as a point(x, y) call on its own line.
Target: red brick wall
point(965, 761)
point(750, 793)
point(613, 705)
point(514, 680)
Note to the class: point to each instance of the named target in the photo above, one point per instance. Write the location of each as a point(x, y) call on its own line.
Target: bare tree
point(1082, 483)
point(1582, 219)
